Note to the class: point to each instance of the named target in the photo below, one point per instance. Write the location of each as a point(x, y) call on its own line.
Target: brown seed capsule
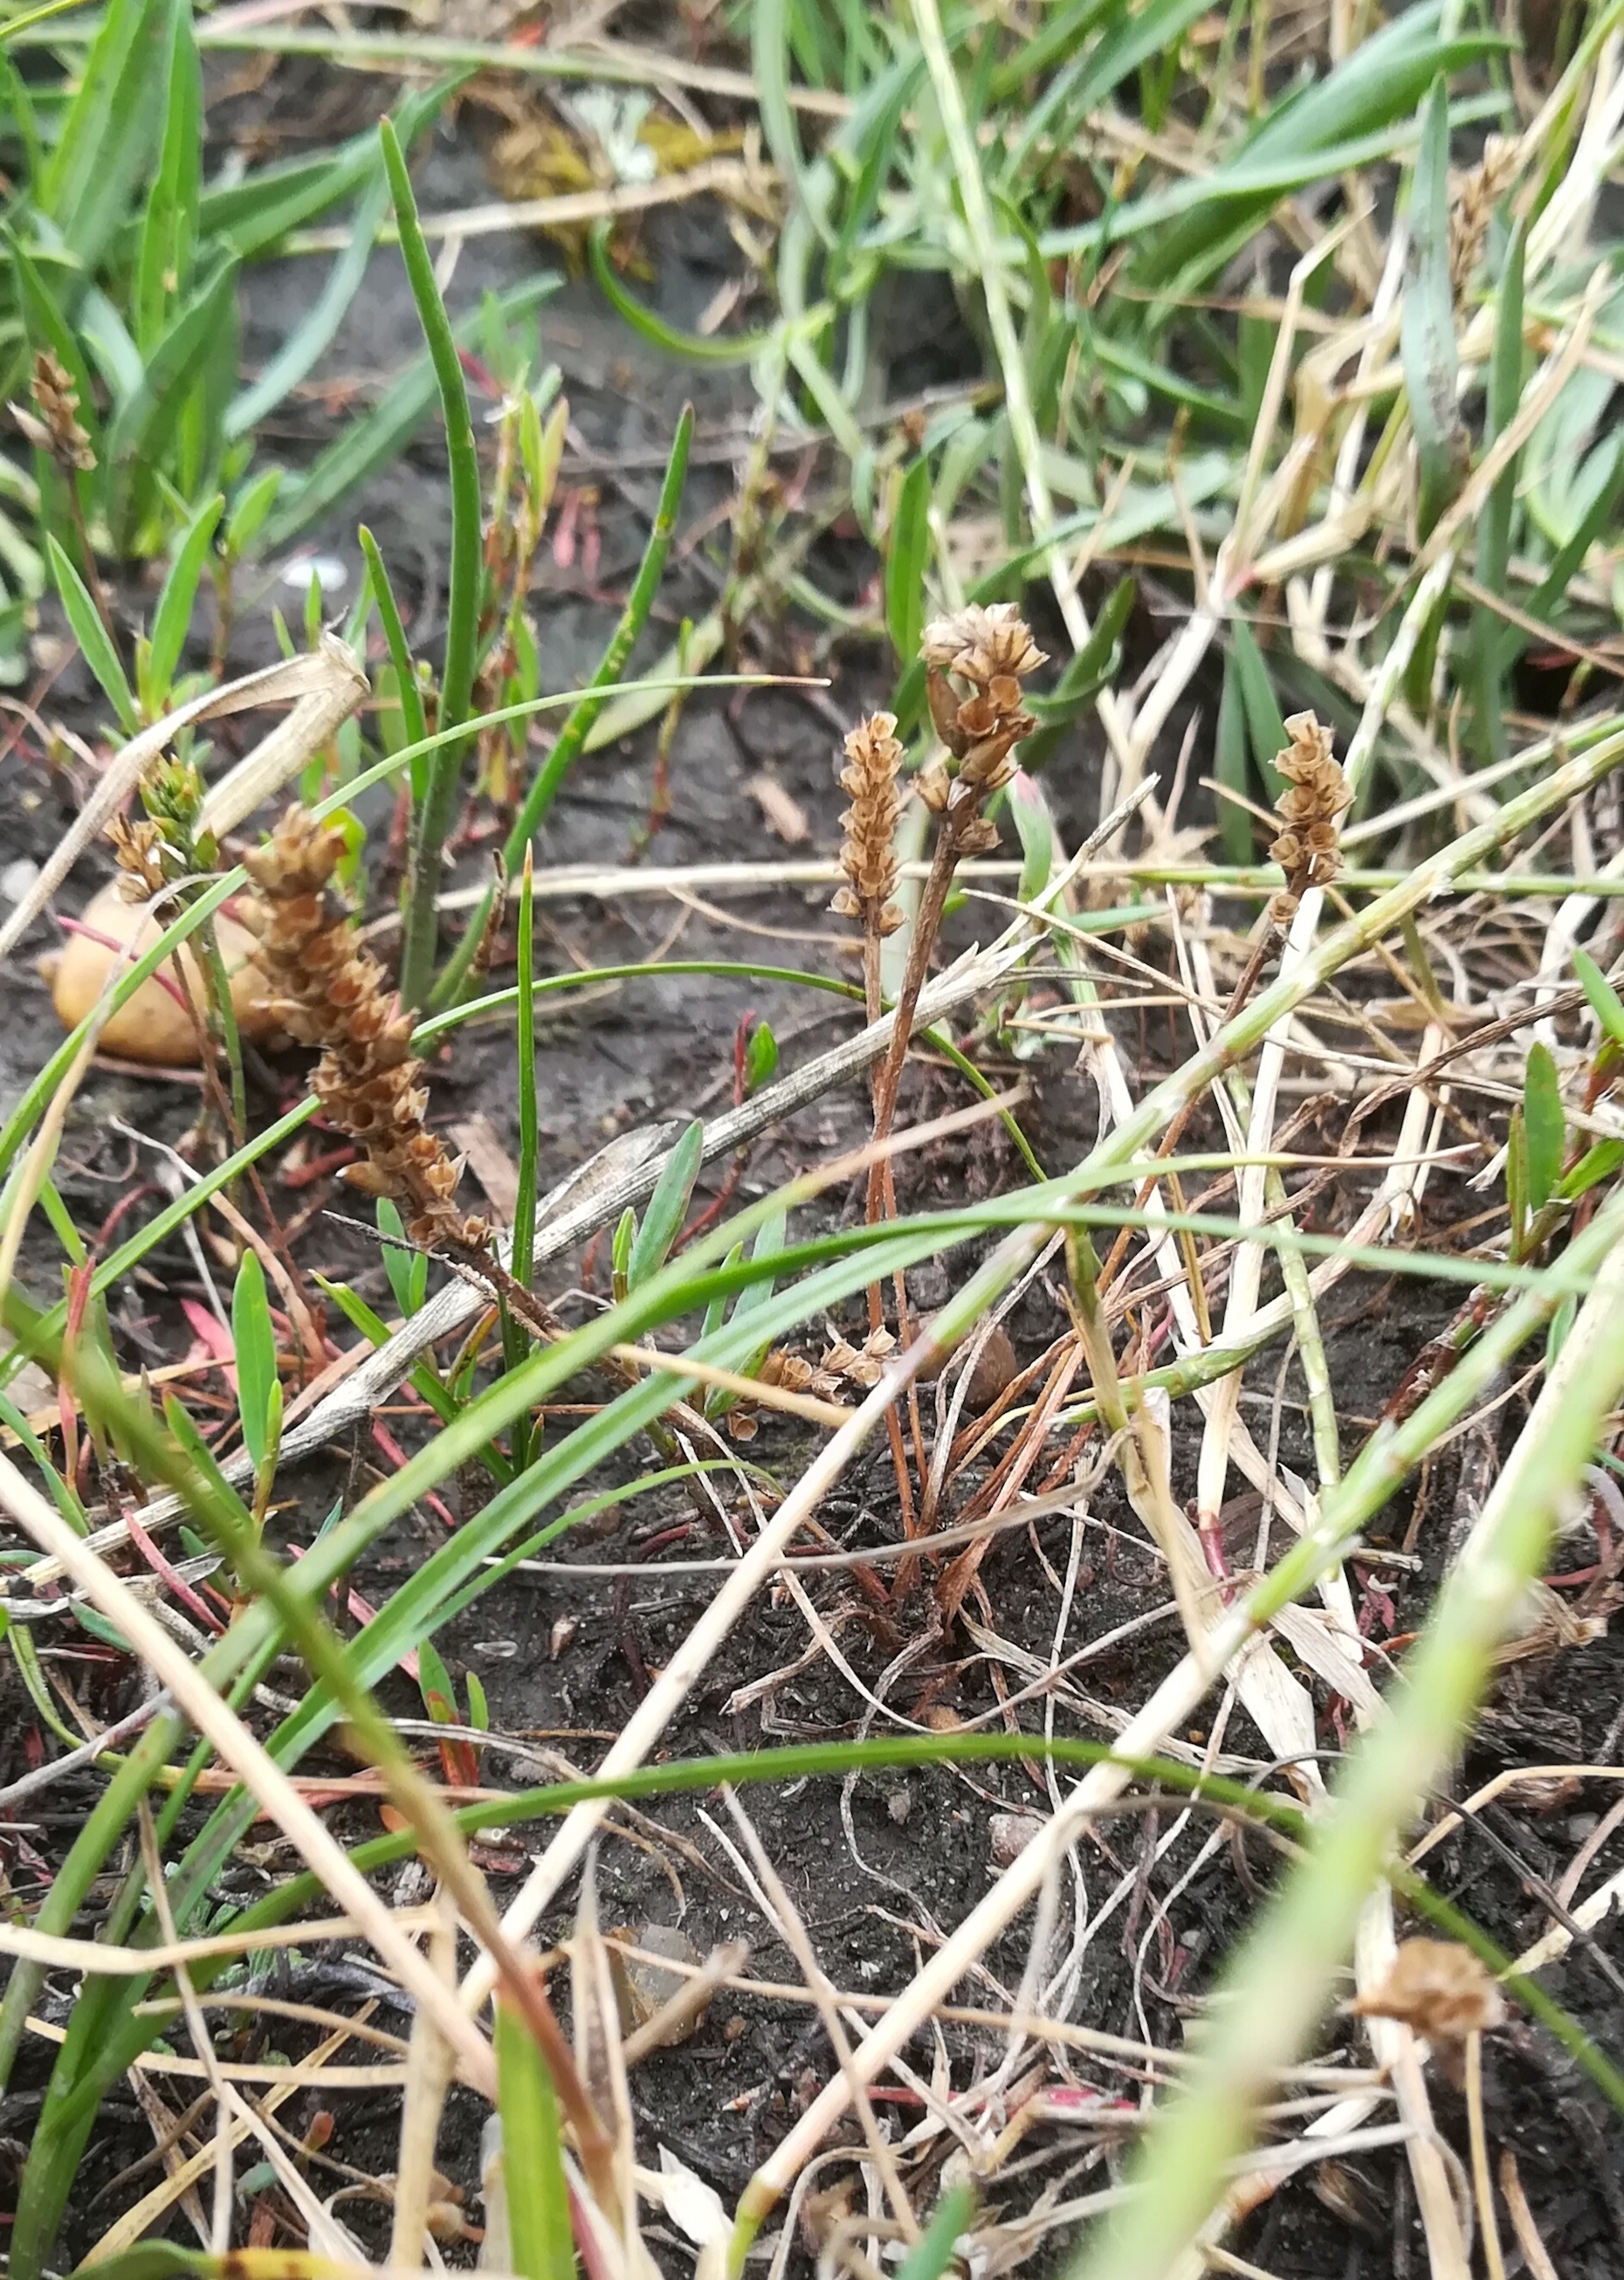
point(1438, 1988)
point(987, 652)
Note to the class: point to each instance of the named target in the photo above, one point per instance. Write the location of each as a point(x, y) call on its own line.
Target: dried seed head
point(860, 1364)
point(988, 652)
point(137, 850)
point(332, 993)
point(1308, 850)
point(868, 852)
point(1473, 197)
point(56, 429)
point(1439, 1989)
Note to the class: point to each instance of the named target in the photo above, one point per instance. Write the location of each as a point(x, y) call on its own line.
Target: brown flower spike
point(1307, 849)
point(331, 992)
point(868, 853)
point(54, 427)
point(975, 661)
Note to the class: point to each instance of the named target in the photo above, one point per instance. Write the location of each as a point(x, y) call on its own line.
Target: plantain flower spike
point(975, 661)
point(868, 852)
point(1308, 847)
point(333, 993)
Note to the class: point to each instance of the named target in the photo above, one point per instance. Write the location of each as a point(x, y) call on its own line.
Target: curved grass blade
point(172, 619)
point(728, 348)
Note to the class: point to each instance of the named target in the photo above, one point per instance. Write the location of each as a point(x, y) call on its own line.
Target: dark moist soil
point(881, 1874)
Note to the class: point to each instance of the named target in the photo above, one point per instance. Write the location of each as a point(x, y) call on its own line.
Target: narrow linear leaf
point(1543, 1125)
point(540, 2242)
point(667, 1207)
point(173, 614)
point(92, 636)
point(1605, 1002)
point(906, 555)
point(255, 1341)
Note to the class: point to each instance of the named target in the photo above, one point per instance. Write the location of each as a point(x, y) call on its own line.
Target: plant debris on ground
point(811, 1191)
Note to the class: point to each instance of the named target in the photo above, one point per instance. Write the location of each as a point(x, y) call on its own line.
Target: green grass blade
point(567, 749)
point(414, 726)
point(540, 2241)
point(667, 1207)
point(144, 429)
point(169, 226)
point(769, 49)
point(697, 347)
point(1234, 822)
point(529, 1132)
point(173, 618)
point(1426, 338)
point(308, 339)
point(1543, 1125)
point(420, 924)
point(933, 2252)
point(93, 638)
point(108, 133)
point(907, 554)
point(255, 1343)
point(1494, 527)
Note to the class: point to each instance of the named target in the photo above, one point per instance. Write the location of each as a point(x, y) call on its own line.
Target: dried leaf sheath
point(333, 993)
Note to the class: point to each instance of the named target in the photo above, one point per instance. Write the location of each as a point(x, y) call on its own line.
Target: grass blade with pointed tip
point(169, 226)
point(255, 1343)
point(419, 923)
point(1494, 525)
point(92, 636)
point(667, 1207)
point(172, 619)
point(1543, 1125)
point(907, 553)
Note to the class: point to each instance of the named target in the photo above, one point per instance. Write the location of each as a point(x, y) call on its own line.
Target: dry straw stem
point(323, 686)
point(1180, 1694)
point(263, 1778)
point(1284, 1977)
point(1246, 1266)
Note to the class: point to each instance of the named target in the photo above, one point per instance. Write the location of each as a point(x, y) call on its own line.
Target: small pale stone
point(17, 878)
point(1011, 1833)
point(644, 1988)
